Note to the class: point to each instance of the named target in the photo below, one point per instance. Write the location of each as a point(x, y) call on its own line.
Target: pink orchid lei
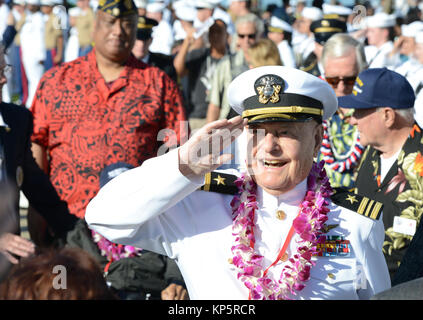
point(113, 251)
point(308, 225)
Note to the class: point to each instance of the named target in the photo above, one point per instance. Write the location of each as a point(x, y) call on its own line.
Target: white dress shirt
point(379, 57)
point(157, 208)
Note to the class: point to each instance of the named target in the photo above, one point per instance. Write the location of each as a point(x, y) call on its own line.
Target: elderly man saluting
point(276, 231)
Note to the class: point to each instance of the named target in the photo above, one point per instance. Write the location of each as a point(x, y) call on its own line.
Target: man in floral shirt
point(342, 60)
point(391, 170)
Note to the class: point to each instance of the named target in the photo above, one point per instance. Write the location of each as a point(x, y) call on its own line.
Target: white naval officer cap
point(278, 93)
point(278, 25)
point(410, 30)
point(381, 20)
point(312, 13)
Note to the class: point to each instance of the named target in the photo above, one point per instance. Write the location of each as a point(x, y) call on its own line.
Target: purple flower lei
point(308, 225)
point(113, 251)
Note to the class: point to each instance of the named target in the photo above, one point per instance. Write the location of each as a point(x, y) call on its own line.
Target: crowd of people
point(277, 150)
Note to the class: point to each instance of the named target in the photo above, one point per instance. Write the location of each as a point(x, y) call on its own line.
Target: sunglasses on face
point(334, 81)
point(250, 36)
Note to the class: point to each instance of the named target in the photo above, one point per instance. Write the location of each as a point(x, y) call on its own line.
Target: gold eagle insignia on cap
point(116, 11)
point(268, 88)
point(128, 4)
point(325, 23)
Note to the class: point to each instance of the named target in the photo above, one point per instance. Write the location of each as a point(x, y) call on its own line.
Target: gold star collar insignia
point(351, 199)
point(220, 180)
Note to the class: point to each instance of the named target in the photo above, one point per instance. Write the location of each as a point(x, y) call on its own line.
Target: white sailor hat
point(74, 11)
point(312, 13)
point(49, 3)
point(336, 9)
point(419, 37)
point(19, 2)
point(141, 4)
point(278, 25)
point(204, 4)
point(410, 30)
point(278, 93)
point(155, 7)
point(33, 2)
point(185, 13)
point(380, 20)
point(182, 3)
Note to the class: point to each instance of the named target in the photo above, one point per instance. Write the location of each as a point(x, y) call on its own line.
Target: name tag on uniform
point(334, 246)
point(404, 226)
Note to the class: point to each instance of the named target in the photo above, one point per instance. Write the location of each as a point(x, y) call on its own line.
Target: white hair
point(406, 114)
point(251, 18)
point(340, 45)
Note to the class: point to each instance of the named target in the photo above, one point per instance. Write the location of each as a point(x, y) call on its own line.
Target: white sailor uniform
point(379, 57)
point(163, 211)
point(163, 38)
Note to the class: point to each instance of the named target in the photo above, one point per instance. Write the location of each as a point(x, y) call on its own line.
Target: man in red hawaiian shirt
point(102, 108)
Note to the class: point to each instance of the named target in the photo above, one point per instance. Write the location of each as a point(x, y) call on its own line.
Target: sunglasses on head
point(251, 35)
point(334, 81)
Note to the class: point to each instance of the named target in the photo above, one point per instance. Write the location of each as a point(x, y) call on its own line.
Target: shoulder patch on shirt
point(358, 203)
point(220, 182)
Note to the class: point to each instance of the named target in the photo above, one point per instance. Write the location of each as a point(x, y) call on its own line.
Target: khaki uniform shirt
point(85, 25)
point(52, 32)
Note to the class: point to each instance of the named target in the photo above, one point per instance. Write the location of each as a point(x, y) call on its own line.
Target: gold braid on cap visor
point(274, 29)
point(327, 29)
point(279, 112)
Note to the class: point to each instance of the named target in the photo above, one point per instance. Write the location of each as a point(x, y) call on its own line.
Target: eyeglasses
point(5, 70)
point(250, 36)
point(334, 81)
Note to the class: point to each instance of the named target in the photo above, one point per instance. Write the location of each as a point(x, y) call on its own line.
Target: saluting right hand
point(202, 153)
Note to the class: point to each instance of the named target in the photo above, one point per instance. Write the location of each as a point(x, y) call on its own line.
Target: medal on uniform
point(334, 246)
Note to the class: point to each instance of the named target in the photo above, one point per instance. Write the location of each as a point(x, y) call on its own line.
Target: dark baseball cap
point(379, 87)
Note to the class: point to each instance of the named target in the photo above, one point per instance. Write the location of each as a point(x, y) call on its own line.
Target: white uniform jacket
point(157, 208)
point(163, 38)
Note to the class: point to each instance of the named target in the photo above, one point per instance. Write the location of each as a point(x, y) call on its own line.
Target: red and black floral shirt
point(86, 124)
